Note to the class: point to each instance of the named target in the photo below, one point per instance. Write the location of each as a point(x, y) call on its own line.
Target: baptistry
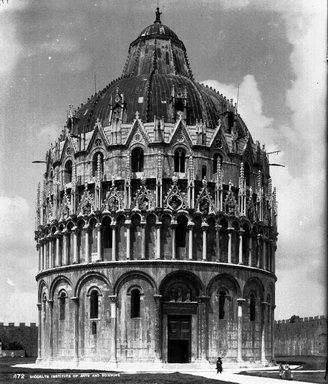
point(156, 223)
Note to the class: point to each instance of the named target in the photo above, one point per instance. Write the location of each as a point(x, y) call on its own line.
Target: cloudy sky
point(274, 51)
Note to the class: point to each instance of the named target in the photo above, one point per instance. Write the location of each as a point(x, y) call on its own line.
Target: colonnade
point(85, 244)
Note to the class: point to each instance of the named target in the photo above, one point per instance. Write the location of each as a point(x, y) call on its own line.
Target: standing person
point(281, 371)
point(219, 365)
point(288, 372)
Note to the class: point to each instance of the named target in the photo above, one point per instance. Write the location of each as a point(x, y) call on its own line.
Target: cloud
point(60, 45)
point(301, 185)
point(77, 63)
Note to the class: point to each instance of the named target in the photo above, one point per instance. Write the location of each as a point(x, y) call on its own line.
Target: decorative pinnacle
point(158, 16)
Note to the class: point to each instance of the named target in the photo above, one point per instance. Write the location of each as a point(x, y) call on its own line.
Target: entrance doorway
point(179, 339)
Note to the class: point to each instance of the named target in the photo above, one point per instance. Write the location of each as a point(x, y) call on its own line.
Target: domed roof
point(152, 96)
point(157, 28)
point(157, 82)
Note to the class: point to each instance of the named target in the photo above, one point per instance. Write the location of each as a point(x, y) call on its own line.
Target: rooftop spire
point(158, 16)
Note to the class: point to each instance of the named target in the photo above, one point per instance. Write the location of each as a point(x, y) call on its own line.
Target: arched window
point(137, 160)
point(204, 171)
point(44, 305)
point(98, 158)
point(179, 160)
point(216, 158)
point(231, 121)
point(167, 59)
point(222, 299)
point(181, 231)
point(179, 105)
point(252, 307)
point(135, 303)
point(94, 304)
point(247, 173)
point(68, 172)
point(62, 305)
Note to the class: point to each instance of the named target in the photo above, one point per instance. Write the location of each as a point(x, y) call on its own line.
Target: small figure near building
point(288, 372)
point(219, 365)
point(281, 371)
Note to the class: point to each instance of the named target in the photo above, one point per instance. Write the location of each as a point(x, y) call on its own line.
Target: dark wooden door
point(179, 335)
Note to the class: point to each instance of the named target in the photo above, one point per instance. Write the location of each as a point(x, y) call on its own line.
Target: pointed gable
point(218, 140)
point(68, 149)
point(98, 138)
point(181, 135)
point(137, 133)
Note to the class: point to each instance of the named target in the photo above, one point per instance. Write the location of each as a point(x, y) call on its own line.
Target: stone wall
point(300, 336)
point(26, 335)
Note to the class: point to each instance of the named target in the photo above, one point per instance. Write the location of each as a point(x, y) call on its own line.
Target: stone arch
point(136, 309)
point(233, 283)
point(56, 282)
point(254, 284)
point(191, 278)
point(42, 285)
point(134, 275)
point(87, 276)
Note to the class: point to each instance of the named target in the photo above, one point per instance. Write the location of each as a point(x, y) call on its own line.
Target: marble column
point(204, 229)
point(113, 226)
point(217, 241)
point(202, 327)
point(75, 249)
point(99, 241)
point(76, 329)
point(158, 240)
point(39, 305)
point(230, 229)
point(65, 250)
point(250, 250)
point(272, 308)
point(240, 302)
point(43, 254)
point(143, 240)
point(51, 333)
point(128, 241)
point(158, 344)
point(113, 315)
point(50, 252)
point(190, 227)
point(173, 227)
point(264, 328)
point(58, 258)
point(87, 255)
point(258, 239)
point(39, 249)
point(241, 233)
point(264, 251)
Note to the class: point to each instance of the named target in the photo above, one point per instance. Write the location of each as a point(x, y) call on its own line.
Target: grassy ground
point(10, 375)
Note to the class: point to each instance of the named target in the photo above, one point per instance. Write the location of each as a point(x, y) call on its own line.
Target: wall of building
point(301, 336)
point(26, 335)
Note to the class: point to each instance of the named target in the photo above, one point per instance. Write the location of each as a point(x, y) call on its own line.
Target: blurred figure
point(281, 371)
point(219, 365)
